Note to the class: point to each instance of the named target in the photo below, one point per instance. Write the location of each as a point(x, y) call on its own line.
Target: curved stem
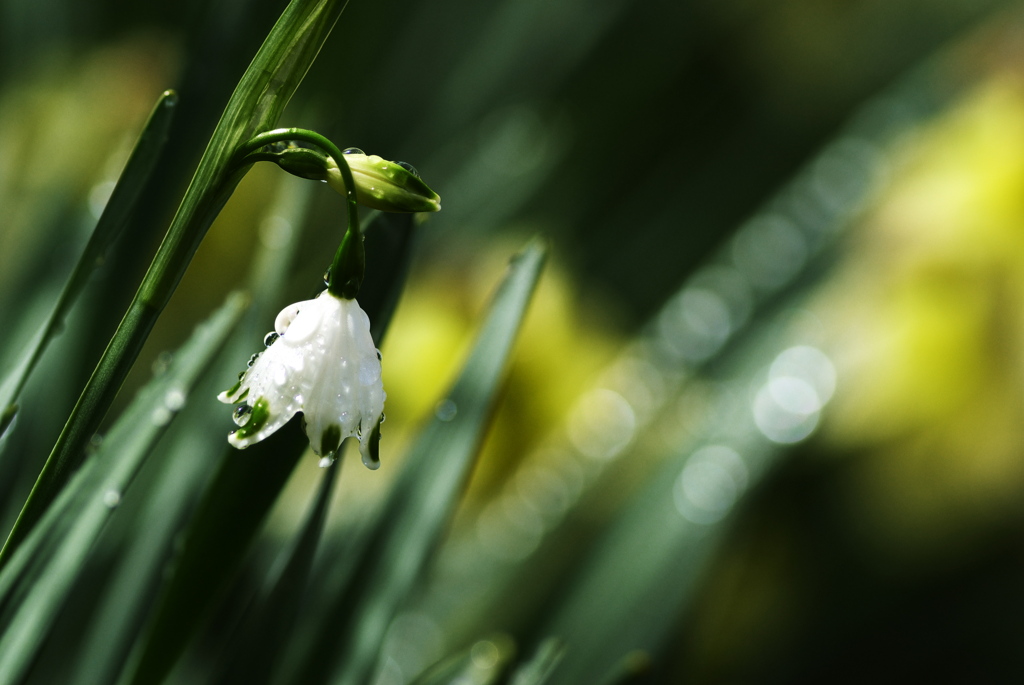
point(350, 259)
point(257, 102)
point(254, 157)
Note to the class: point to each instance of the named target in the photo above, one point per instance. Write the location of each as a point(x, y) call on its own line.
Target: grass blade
point(232, 510)
point(483, 663)
point(255, 105)
point(185, 455)
point(270, 621)
point(239, 498)
point(189, 460)
point(115, 217)
point(425, 495)
point(89, 507)
point(538, 670)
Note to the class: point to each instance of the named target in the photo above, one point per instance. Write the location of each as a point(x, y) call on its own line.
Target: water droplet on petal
point(242, 414)
point(305, 324)
point(111, 498)
point(325, 462)
point(327, 276)
point(285, 317)
point(252, 359)
point(352, 151)
point(270, 338)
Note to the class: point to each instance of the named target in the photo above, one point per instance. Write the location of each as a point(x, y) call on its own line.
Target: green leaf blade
point(426, 493)
point(112, 221)
point(239, 498)
point(257, 102)
point(87, 504)
point(270, 621)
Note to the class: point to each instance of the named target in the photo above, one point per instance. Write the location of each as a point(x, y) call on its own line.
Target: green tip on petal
point(330, 441)
point(229, 394)
point(370, 448)
point(257, 419)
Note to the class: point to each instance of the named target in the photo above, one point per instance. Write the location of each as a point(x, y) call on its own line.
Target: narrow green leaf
point(186, 456)
point(191, 456)
point(255, 105)
point(15, 579)
point(538, 670)
point(10, 408)
point(483, 663)
point(423, 499)
point(216, 540)
point(81, 512)
point(626, 594)
point(634, 668)
point(270, 620)
point(115, 217)
point(235, 505)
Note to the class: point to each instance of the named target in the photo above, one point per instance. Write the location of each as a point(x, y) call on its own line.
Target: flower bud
point(380, 184)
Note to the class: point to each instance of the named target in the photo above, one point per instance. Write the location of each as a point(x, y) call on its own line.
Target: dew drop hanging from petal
point(242, 414)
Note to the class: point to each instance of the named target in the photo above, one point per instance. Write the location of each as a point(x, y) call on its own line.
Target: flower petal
point(323, 363)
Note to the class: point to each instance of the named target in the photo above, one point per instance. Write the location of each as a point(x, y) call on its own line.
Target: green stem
point(257, 102)
point(350, 259)
point(115, 217)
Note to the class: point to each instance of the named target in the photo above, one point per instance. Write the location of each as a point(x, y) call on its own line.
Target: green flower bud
point(380, 184)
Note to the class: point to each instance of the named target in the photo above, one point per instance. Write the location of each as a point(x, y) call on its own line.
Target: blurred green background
point(881, 539)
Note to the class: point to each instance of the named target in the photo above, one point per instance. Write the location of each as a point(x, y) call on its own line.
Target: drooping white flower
point(319, 360)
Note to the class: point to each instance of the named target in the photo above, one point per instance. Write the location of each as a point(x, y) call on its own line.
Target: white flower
point(321, 361)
